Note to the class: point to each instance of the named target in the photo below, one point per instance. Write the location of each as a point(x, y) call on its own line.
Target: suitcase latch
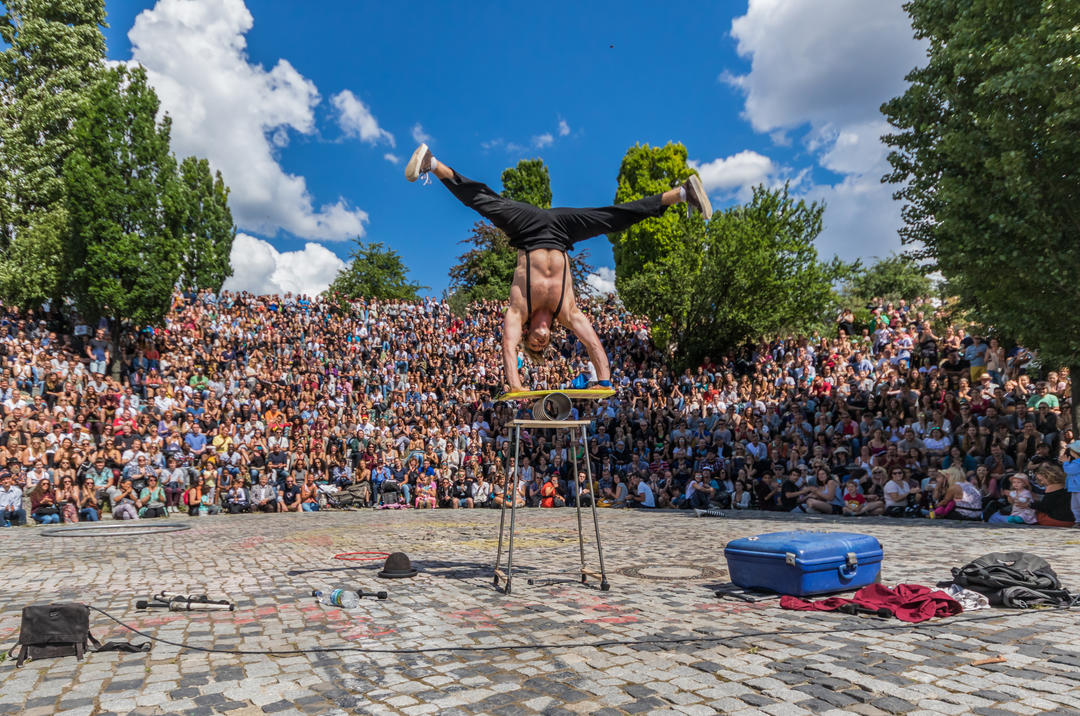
point(790, 558)
point(852, 560)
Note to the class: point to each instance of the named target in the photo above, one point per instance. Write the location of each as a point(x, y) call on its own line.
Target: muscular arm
point(511, 337)
point(579, 323)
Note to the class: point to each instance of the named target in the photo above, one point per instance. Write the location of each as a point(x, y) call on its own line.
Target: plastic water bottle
point(343, 598)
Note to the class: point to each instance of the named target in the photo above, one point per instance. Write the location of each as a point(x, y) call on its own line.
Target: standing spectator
point(98, 353)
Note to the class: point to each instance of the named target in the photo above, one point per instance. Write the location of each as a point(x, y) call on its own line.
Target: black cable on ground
point(115, 529)
point(578, 645)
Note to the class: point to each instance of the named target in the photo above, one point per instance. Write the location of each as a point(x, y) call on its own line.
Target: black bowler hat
point(397, 566)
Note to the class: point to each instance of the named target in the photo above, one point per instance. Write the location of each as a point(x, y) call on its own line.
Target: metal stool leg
point(513, 507)
point(577, 496)
point(604, 586)
point(502, 522)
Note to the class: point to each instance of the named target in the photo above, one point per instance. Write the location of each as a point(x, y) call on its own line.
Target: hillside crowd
point(244, 403)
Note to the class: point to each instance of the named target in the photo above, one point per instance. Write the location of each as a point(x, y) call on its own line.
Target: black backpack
point(1013, 579)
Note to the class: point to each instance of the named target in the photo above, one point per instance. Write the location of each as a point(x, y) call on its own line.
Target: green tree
point(987, 156)
point(897, 276)
point(207, 226)
point(55, 50)
point(751, 272)
point(125, 203)
point(373, 271)
point(644, 247)
point(486, 270)
point(529, 182)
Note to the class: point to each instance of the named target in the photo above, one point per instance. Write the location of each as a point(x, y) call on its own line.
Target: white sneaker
point(695, 196)
point(419, 163)
point(700, 512)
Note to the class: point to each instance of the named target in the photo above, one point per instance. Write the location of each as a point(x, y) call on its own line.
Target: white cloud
point(419, 135)
point(356, 120)
point(392, 158)
point(603, 281)
point(564, 128)
point(820, 69)
point(543, 140)
point(739, 171)
point(236, 113)
point(260, 268)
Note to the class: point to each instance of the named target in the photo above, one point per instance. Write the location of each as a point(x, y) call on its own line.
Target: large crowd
point(243, 403)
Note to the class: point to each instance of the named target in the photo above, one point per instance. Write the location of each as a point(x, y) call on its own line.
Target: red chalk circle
point(351, 556)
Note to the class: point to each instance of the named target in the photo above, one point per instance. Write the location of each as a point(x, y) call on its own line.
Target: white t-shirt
point(644, 489)
point(896, 494)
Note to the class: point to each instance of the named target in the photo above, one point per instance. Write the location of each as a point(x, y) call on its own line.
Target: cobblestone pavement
point(747, 665)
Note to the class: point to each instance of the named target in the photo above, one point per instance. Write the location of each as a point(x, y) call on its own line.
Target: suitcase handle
point(849, 568)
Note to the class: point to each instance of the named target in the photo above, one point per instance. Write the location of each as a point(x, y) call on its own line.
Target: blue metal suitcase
point(803, 563)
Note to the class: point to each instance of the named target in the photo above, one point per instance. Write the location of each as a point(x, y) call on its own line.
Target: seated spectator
point(11, 500)
point(740, 498)
point(962, 500)
point(444, 494)
point(616, 494)
point(460, 493)
point(152, 499)
point(425, 492)
point(828, 498)
point(264, 496)
point(309, 494)
point(238, 498)
point(67, 499)
point(480, 491)
point(579, 490)
point(89, 507)
point(901, 497)
point(640, 494)
point(124, 501)
point(794, 492)
point(174, 484)
point(549, 493)
point(500, 493)
point(1053, 510)
point(1020, 503)
point(699, 492)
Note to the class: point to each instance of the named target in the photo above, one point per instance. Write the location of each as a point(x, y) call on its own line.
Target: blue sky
point(311, 114)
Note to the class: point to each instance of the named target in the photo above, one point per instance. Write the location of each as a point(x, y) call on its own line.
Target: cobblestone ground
point(663, 570)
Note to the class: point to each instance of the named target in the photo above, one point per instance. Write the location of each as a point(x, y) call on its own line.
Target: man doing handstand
point(543, 290)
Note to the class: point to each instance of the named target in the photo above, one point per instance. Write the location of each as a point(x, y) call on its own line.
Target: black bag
point(49, 630)
point(1013, 579)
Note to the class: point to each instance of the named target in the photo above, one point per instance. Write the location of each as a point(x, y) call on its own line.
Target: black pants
point(530, 227)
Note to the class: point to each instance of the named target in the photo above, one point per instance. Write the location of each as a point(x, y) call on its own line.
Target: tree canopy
point(55, 52)
point(125, 205)
point(987, 159)
point(895, 277)
point(646, 171)
point(374, 271)
point(751, 272)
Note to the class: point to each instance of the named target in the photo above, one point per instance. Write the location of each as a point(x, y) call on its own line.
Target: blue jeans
point(88, 514)
point(47, 519)
point(98, 366)
point(16, 517)
point(309, 506)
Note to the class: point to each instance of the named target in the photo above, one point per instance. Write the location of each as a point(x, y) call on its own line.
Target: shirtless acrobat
point(543, 290)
